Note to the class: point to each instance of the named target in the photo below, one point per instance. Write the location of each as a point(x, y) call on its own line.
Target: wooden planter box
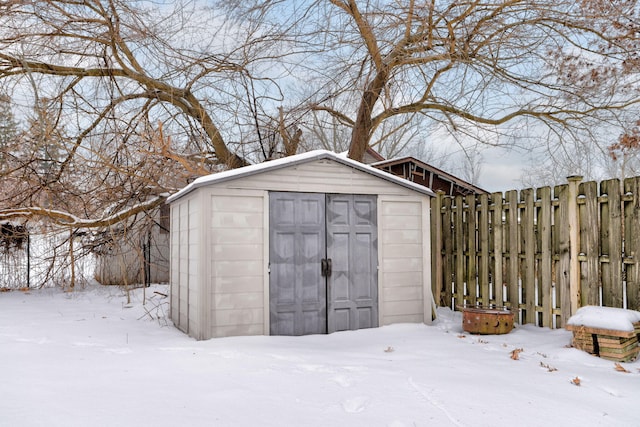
point(619, 346)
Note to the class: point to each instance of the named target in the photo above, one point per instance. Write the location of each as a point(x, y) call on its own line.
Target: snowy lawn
point(87, 359)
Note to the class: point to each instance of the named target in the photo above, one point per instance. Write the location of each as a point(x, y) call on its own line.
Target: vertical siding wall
point(185, 241)
point(237, 257)
point(404, 256)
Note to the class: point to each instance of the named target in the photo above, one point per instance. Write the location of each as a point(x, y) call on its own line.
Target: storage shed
point(308, 244)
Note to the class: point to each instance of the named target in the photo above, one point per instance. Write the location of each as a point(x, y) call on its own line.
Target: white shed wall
point(405, 283)
point(237, 262)
point(185, 250)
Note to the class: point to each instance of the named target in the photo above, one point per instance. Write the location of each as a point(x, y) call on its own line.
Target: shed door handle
point(325, 267)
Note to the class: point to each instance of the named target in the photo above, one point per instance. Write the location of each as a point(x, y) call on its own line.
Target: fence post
point(28, 258)
point(574, 243)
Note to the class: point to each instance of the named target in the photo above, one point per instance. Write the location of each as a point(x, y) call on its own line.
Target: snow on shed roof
point(285, 162)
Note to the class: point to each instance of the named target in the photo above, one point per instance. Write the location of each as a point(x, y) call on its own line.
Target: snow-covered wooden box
point(610, 333)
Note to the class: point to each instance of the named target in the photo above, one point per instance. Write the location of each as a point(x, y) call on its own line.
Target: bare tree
point(475, 64)
point(394, 137)
point(8, 128)
point(141, 90)
point(624, 154)
point(99, 56)
point(131, 92)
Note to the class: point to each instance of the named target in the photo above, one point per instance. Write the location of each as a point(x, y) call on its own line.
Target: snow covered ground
point(87, 358)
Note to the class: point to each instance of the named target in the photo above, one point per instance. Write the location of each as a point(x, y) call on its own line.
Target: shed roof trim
point(285, 162)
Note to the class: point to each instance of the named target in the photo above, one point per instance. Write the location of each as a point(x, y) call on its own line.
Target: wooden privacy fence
point(545, 252)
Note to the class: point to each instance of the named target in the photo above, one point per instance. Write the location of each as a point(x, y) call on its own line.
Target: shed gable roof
point(291, 161)
point(415, 165)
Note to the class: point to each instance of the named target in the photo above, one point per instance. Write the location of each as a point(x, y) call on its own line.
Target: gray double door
point(323, 261)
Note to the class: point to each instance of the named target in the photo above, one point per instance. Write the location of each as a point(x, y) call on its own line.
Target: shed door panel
point(352, 248)
point(297, 300)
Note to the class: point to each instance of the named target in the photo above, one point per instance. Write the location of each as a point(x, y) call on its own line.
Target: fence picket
point(562, 250)
point(589, 244)
point(472, 250)
point(545, 275)
point(459, 251)
point(436, 252)
point(513, 250)
point(497, 249)
point(611, 243)
point(528, 287)
point(483, 240)
point(632, 241)
point(446, 296)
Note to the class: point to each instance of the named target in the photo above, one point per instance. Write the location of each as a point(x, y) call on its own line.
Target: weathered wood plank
point(436, 248)
point(582, 329)
point(611, 243)
point(561, 249)
point(527, 224)
point(460, 252)
point(589, 244)
point(574, 247)
point(446, 297)
point(513, 249)
point(472, 249)
point(497, 235)
point(544, 230)
point(632, 241)
point(483, 240)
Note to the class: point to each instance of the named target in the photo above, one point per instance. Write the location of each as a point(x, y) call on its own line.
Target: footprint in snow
point(226, 354)
point(315, 368)
point(342, 380)
point(178, 349)
point(611, 391)
point(119, 350)
point(284, 357)
point(34, 341)
point(355, 404)
point(88, 344)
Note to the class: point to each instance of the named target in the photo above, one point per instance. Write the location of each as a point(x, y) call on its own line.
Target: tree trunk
point(363, 128)
point(223, 154)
